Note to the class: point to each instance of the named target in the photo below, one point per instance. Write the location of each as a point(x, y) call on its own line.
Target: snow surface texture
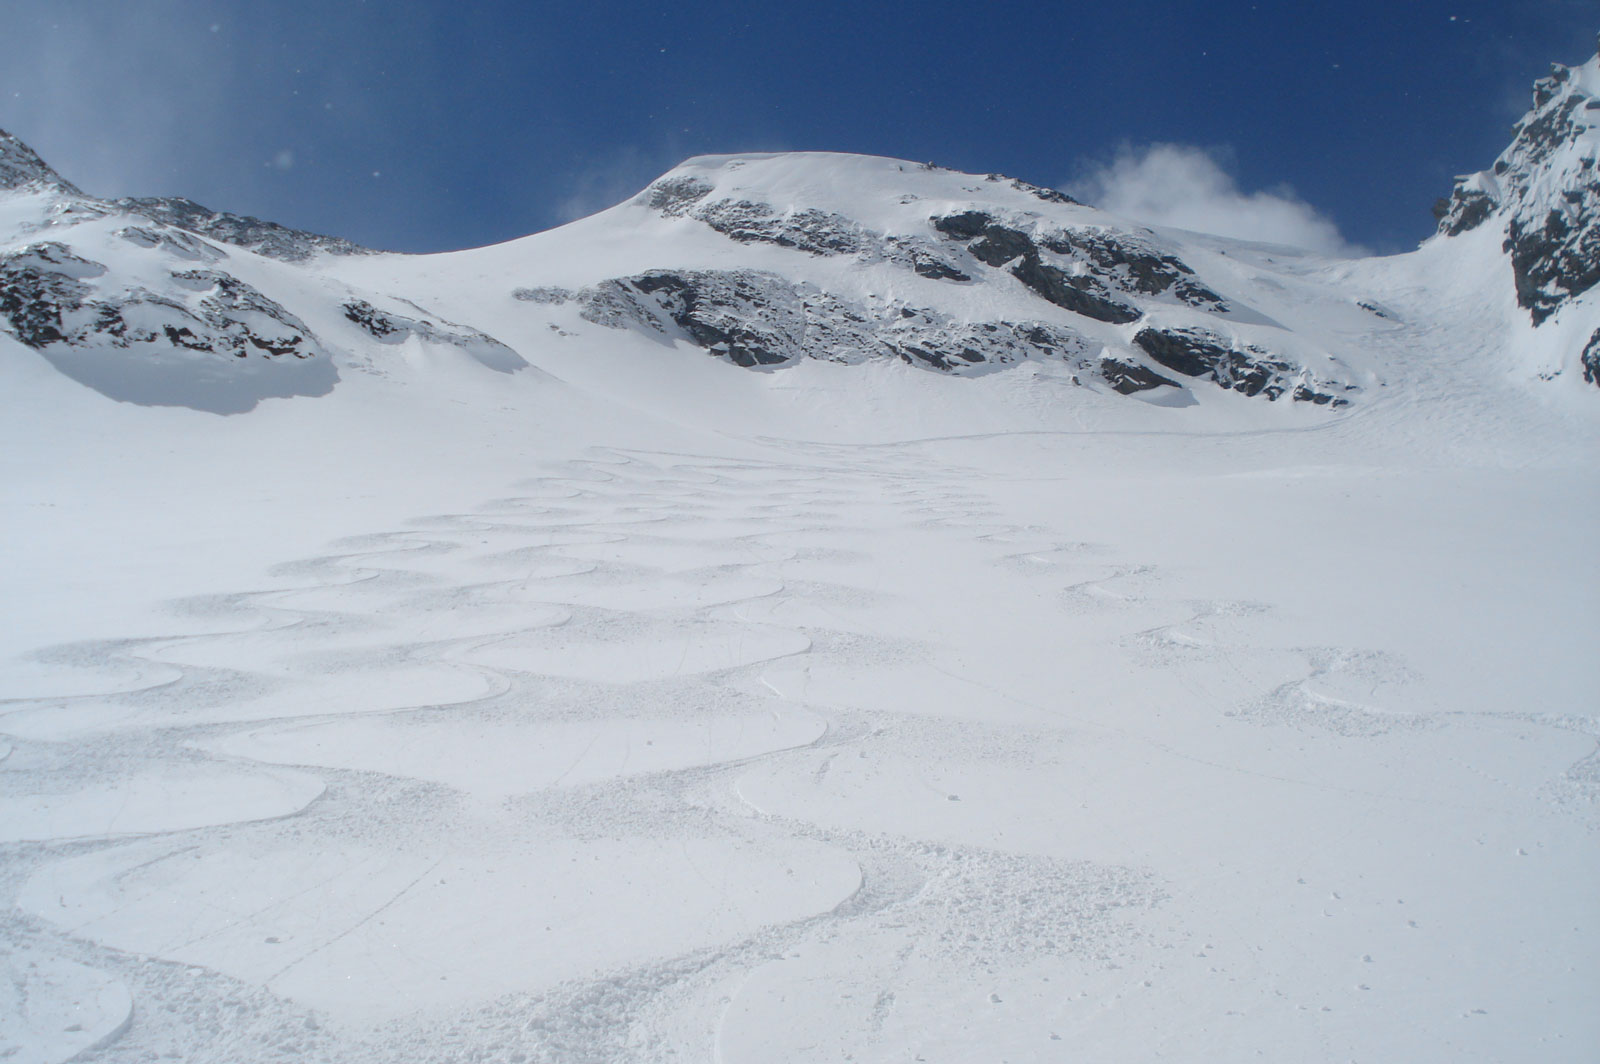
point(657, 639)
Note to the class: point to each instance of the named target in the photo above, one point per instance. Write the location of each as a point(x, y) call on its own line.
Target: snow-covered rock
point(21, 168)
point(767, 261)
point(264, 238)
point(1543, 193)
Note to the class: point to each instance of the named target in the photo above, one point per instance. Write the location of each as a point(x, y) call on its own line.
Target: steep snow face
point(1543, 193)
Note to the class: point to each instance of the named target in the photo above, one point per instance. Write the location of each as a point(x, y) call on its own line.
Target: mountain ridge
point(765, 260)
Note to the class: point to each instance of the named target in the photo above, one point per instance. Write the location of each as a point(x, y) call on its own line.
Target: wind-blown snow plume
point(1186, 187)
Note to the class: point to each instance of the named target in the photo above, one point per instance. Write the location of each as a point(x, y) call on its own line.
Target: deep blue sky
point(426, 126)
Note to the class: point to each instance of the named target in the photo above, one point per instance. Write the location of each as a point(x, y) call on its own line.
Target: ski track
point(742, 560)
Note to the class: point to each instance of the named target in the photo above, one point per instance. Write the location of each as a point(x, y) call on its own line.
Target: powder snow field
point(400, 727)
point(638, 706)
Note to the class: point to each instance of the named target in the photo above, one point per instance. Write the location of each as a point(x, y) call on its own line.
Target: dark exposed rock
point(1591, 359)
point(695, 309)
point(675, 195)
point(1248, 370)
point(965, 225)
point(935, 268)
point(814, 231)
point(1049, 195)
point(1544, 192)
point(1194, 354)
point(1553, 261)
point(46, 300)
point(1196, 294)
point(999, 245)
point(21, 167)
point(241, 319)
point(264, 238)
point(375, 322)
point(1108, 264)
point(33, 301)
point(1139, 267)
point(549, 295)
point(38, 285)
point(174, 242)
point(1464, 210)
point(392, 327)
point(1129, 377)
point(761, 319)
point(923, 258)
point(205, 339)
point(1079, 294)
point(817, 233)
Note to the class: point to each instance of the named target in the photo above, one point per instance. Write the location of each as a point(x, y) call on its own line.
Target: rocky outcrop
point(41, 289)
point(21, 168)
point(1464, 209)
point(1591, 359)
point(206, 339)
point(1133, 265)
point(1555, 258)
point(812, 231)
point(264, 238)
point(1544, 193)
point(393, 328)
point(1127, 378)
point(997, 245)
point(1048, 195)
point(1247, 370)
point(174, 323)
point(174, 242)
point(755, 319)
point(1091, 272)
point(47, 297)
point(673, 196)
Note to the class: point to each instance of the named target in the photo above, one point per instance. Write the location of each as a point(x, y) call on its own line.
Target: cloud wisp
point(1186, 187)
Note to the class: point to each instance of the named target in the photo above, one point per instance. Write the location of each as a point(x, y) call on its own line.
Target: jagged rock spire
point(1544, 192)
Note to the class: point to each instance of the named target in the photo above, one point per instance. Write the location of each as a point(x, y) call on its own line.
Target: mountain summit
point(824, 607)
point(1543, 193)
point(766, 261)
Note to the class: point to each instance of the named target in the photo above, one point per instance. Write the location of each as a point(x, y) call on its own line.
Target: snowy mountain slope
point(769, 261)
point(160, 301)
point(791, 615)
point(1542, 195)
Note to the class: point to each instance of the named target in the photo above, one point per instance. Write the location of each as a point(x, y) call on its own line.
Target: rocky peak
point(264, 238)
point(1544, 192)
point(21, 167)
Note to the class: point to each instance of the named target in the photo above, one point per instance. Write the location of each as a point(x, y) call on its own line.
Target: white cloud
point(1186, 187)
